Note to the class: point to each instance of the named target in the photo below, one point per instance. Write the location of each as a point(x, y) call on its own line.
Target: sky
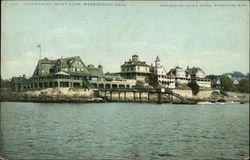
point(211, 35)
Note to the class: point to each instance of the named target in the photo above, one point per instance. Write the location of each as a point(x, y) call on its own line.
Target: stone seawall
point(53, 95)
point(214, 96)
point(89, 95)
point(189, 94)
point(211, 96)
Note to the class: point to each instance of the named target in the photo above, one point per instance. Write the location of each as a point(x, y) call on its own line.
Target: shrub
point(243, 86)
point(153, 80)
point(194, 87)
point(139, 85)
point(226, 83)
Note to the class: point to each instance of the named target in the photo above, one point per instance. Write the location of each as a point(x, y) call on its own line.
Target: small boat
point(205, 102)
point(220, 103)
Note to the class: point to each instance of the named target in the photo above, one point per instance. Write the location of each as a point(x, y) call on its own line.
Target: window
point(74, 69)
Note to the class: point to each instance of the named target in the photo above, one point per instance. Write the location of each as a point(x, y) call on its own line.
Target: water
point(124, 131)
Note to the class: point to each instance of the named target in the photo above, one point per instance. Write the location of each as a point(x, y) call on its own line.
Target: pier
point(142, 95)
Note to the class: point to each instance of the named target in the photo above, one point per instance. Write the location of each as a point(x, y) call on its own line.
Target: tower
point(157, 62)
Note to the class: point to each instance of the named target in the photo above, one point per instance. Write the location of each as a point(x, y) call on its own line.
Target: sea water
point(124, 131)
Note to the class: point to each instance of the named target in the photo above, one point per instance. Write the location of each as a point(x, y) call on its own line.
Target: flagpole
point(40, 50)
point(39, 62)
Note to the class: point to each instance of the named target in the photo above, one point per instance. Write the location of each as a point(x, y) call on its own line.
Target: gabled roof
point(47, 61)
point(173, 70)
point(194, 70)
point(66, 62)
point(96, 72)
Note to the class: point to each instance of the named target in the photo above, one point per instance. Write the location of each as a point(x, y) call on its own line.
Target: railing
point(87, 84)
point(158, 91)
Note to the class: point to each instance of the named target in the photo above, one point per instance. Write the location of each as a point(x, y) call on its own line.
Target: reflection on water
point(124, 131)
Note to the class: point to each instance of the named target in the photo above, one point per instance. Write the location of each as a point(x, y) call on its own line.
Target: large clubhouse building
point(73, 73)
point(67, 72)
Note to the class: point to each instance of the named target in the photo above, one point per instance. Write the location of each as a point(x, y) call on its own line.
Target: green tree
point(5, 83)
point(194, 87)
point(139, 85)
point(226, 83)
point(243, 86)
point(153, 80)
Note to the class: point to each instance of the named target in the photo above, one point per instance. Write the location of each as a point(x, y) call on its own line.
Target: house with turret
point(194, 74)
point(163, 78)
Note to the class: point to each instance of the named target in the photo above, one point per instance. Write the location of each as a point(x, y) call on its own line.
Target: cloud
point(24, 65)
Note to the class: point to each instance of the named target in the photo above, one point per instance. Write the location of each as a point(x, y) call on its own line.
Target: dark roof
point(173, 70)
point(67, 61)
point(47, 61)
point(78, 73)
point(194, 70)
point(96, 72)
point(18, 79)
point(134, 63)
point(157, 59)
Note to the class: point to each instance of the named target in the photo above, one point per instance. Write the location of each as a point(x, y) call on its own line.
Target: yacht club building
point(67, 72)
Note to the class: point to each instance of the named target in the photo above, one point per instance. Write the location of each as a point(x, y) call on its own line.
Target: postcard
point(124, 80)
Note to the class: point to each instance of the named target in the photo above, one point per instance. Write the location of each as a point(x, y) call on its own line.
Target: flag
point(39, 46)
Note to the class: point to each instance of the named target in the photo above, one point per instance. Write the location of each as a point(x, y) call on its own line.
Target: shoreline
point(68, 95)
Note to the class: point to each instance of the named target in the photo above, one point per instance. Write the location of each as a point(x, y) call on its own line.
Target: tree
point(194, 87)
point(248, 75)
point(226, 83)
point(5, 83)
point(237, 74)
point(153, 80)
point(243, 86)
point(139, 85)
point(212, 77)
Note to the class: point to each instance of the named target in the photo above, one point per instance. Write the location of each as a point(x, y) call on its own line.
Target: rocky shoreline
point(52, 96)
point(70, 95)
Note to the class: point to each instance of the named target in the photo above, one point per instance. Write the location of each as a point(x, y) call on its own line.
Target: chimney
point(91, 66)
point(134, 58)
point(61, 61)
point(100, 67)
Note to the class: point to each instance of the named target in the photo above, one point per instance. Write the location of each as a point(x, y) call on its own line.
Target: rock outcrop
point(53, 95)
